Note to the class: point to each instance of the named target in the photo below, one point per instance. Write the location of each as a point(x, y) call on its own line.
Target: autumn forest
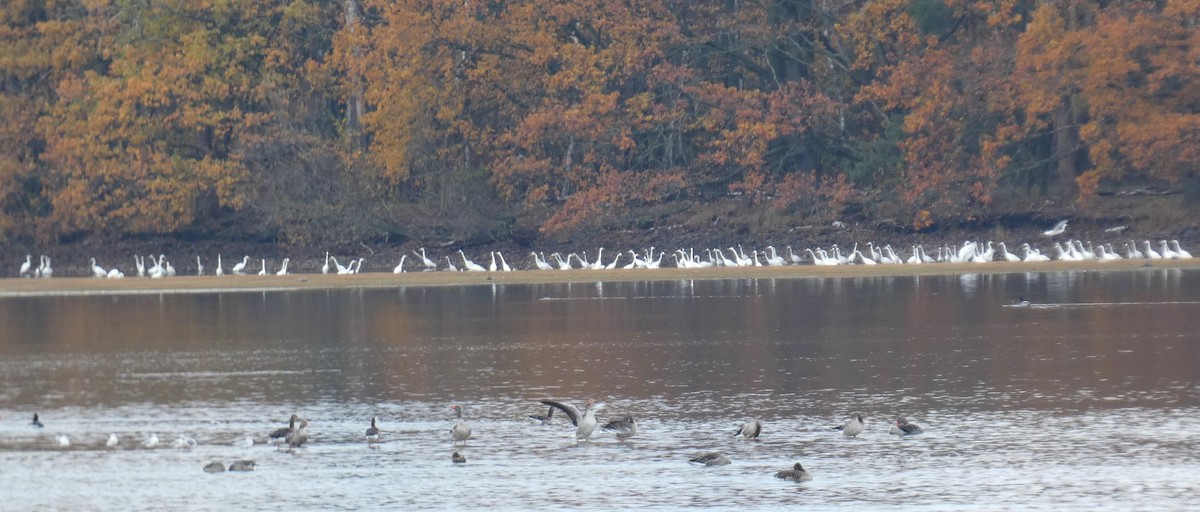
point(306, 122)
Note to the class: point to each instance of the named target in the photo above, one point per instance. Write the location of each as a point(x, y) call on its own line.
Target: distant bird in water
point(184, 443)
point(1058, 229)
point(242, 465)
point(796, 474)
point(1020, 302)
point(584, 422)
point(214, 467)
point(373, 433)
point(36, 423)
point(624, 428)
point(112, 441)
point(542, 420)
point(63, 441)
point(457, 459)
point(151, 441)
point(711, 459)
point(461, 431)
point(750, 429)
point(904, 428)
point(300, 436)
point(280, 435)
point(852, 427)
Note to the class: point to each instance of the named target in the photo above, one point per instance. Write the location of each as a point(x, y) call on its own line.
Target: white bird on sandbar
point(1182, 254)
point(470, 265)
point(240, 268)
point(99, 271)
point(429, 264)
point(503, 264)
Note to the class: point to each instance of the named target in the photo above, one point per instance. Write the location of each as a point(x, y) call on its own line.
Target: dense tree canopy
point(303, 120)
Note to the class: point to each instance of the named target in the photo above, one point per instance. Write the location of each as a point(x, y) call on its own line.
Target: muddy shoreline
point(77, 286)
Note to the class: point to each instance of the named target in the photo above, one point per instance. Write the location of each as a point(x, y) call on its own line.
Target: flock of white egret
point(872, 254)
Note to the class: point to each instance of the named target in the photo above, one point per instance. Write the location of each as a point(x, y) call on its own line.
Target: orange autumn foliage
point(169, 118)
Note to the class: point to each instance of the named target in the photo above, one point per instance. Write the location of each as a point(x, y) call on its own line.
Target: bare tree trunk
point(1065, 149)
point(354, 106)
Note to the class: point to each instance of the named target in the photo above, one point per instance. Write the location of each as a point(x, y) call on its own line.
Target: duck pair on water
point(237, 465)
point(855, 425)
point(796, 474)
point(294, 437)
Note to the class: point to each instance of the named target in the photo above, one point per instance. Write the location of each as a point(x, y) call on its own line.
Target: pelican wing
point(570, 410)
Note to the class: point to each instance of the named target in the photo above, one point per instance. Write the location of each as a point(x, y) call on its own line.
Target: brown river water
point(1087, 399)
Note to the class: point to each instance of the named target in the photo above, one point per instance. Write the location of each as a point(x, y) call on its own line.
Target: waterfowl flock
point(651, 258)
point(624, 427)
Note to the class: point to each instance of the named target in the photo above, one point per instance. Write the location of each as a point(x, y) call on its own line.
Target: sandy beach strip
point(74, 286)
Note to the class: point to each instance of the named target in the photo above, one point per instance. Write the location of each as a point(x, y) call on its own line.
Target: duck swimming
point(904, 428)
point(461, 431)
point(280, 435)
point(711, 459)
point(796, 474)
point(242, 465)
point(852, 427)
point(625, 428)
point(300, 436)
point(373, 433)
